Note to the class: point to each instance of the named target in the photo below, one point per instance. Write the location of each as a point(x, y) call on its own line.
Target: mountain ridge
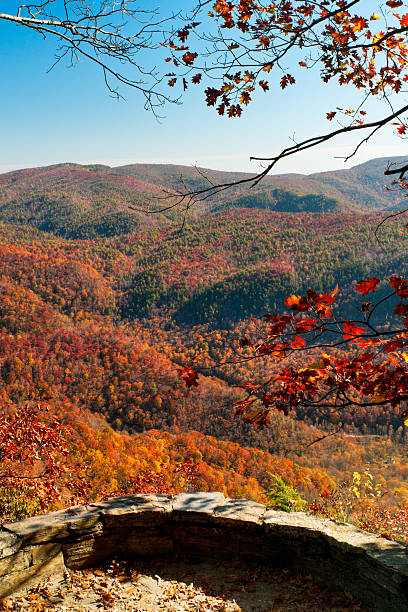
point(85, 201)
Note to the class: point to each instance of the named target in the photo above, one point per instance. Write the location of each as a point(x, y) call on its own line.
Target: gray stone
point(91, 551)
point(200, 540)
point(38, 529)
point(82, 519)
point(294, 519)
point(240, 513)
point(43, 552)
point(149, 584)
point(137, 545)
point(205, 525)
point(10, 543)
point(131, 510)
point(15, 563)
point(55, 525)
point(196, 506)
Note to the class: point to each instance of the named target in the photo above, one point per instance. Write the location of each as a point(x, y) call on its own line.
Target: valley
point(101, 302)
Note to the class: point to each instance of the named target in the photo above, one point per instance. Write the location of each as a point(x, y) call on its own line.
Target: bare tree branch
point(109, 34)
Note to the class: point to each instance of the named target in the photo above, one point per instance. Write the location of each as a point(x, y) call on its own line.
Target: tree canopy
point(346, 362)
point(234, 49)
point(237, 48)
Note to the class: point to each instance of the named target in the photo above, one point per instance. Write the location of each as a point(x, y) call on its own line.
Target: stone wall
point(205, 525)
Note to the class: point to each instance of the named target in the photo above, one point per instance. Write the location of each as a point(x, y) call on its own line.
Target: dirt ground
point(178, 585)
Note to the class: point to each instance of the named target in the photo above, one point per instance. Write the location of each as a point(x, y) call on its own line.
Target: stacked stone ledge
point(207, 526)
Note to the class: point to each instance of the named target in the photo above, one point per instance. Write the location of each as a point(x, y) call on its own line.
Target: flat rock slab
point(135, 510)
point(196, 506)
point(239, 512)
point(55, 525)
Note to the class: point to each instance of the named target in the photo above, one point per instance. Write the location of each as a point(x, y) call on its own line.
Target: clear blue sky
point(67, 115)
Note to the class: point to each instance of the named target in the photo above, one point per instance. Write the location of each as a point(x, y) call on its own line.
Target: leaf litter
point(180, 585)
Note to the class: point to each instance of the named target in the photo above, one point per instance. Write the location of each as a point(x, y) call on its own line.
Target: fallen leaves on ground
point(179, 585)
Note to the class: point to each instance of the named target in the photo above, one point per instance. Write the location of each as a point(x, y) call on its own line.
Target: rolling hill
point(100, 326)
point(75, 201)
point(362, 187)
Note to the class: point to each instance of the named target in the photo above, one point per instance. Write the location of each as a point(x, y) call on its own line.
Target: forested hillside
point(100, 305)
point(82, 202)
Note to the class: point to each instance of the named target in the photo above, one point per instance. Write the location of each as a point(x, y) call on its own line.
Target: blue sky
point(67, 115)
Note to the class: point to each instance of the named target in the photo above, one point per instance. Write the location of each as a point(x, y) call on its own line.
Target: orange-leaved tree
point(236, 48)
point(34, 473)
point(348, 361)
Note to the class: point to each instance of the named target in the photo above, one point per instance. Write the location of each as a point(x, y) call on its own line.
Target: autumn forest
point(107, 302)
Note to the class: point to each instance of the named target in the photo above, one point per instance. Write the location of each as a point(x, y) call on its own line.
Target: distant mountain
point(282, 193)
point(77, 201)
point(362, 187)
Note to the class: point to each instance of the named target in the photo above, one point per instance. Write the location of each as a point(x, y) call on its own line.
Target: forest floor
point(179, 585)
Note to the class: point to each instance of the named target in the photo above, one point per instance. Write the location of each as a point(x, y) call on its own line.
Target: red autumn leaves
point(344, 363)
point(365, 286)
point(368, 51)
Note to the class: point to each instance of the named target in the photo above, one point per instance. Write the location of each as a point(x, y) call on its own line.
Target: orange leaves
point(358, 24)
point(365, 286)
point(401, 127)
point(374, 372)
point(320, 302)
point(345, 47)
point(286, 80)
point(293, 301)
point(298, 342)
point(245, 98)
point(189, 57)
point(351, 330)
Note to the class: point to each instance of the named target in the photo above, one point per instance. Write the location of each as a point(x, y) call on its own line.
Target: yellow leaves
point(393, 359)
point(378, 398)
point(375, 17)
point(313, 373)
point(317, 365)
point(397, 356)
point(359, 23)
